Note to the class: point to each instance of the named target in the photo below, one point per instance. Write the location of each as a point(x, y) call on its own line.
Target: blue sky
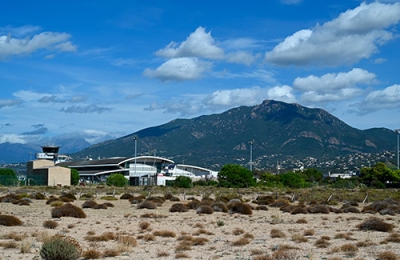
point(103, 69)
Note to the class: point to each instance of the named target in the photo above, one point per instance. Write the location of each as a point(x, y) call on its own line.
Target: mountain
point(275, 129)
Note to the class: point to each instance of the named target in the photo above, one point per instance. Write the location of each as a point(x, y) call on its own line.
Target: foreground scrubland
point(202, 223)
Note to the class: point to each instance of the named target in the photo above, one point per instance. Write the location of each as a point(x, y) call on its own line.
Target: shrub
point(183, 182)
point(100, 206)
point(50, 224)
point(147, 204)
point(178, 207)
point(56, 203)
point(238, 207)
point(220, 206)
point(39, 196)
point(9, 221)
point(117, 180)
point(68, 210)
point(52, 199)
point(204, 209)
point(376, 224)
point(59, 248)
point(89, 204)
point(126, 196)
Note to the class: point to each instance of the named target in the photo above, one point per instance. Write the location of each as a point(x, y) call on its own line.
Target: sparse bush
point(50, 224)
point(9, 221)
point(220, 223)
point(68, 210)
point(376, 224)
point(59, 248)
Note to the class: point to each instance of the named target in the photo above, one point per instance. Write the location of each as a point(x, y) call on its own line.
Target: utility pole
point(398, 133)
point(251, 156)
point(135, 138)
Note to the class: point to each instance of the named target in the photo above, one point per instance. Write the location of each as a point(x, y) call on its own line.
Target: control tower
point(49, 152)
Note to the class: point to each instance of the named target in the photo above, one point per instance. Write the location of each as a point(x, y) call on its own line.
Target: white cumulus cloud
point(179, 69)
point(388, 98)
point(333, 81)
point(354, 35)
point(199, 44)
point(10, 46)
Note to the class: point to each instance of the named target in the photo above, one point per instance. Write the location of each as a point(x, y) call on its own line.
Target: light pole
point(251, 156)
point(398, 133)
point(135, 138)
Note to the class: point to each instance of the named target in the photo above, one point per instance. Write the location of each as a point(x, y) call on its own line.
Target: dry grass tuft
point(181, 255)
point(299, 238)
point(111, 253)
point(162, 254)
point(91, 254)
point(238, 231)
point(276, 233)
point(302, 221)
point(241, 242)
point(309, 232)
point(144, 225)
point(349, 249)
point(127, 241)
point(387, 255)
point(164, 233)
point(50, 224)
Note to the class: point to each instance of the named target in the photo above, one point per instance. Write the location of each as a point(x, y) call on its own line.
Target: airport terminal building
point(140, 170)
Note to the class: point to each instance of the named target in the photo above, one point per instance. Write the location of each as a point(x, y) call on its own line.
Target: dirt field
point(126, 232)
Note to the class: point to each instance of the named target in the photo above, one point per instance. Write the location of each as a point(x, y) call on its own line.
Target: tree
point(8, 177)
point(183, 182)
point(117, 179)
point(378, 175)
point(292, 180)
point(235, 176)
point(312, 175)
point(74, 177)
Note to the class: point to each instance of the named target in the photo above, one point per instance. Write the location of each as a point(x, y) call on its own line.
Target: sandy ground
point(220, 230)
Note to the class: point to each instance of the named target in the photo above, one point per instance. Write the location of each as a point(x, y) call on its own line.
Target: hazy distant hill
point(274, 128)
point(17, 153)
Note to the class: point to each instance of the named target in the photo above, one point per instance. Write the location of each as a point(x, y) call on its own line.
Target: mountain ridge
point(273, 127)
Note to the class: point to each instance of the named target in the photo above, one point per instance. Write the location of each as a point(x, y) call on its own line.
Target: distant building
point(140, 171)
point(44, 172)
